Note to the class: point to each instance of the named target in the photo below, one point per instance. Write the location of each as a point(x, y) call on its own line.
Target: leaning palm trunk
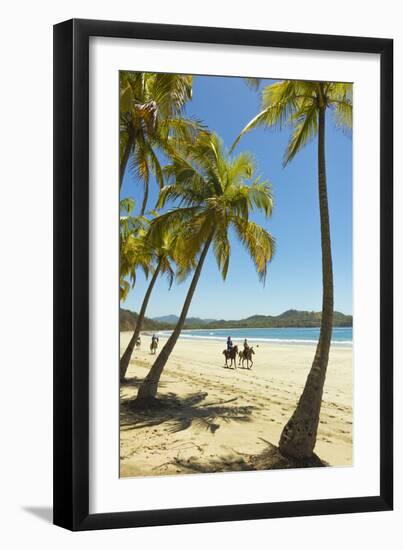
point(149, 386)
point(125, 359)
point(299, 434)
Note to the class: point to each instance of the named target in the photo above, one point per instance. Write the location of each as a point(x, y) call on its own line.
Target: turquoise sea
point(341, 335)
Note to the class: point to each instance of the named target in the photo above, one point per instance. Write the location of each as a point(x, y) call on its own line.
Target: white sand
point(242, 411)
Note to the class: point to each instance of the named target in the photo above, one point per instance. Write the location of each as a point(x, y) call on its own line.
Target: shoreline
point(218, 338)
point(226, 415)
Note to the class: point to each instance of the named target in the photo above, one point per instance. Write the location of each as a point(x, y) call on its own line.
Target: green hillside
point(127, 321)
point(290, 318)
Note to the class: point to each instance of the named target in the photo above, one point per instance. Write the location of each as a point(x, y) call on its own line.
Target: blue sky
point(225, 105)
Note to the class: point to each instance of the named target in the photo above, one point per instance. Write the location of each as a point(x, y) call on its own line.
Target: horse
point(231, 354)
point(138, 343)
point(153, 347)
point(246, 354)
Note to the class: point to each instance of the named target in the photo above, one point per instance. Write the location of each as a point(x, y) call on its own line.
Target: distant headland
point(290, 318)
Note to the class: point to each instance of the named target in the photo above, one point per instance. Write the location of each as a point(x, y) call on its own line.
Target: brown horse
point(231, 354)
point(246, 355)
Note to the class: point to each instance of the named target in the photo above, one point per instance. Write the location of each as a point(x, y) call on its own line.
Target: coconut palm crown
point(151, 119)
point(296, 104)
point(213, 192)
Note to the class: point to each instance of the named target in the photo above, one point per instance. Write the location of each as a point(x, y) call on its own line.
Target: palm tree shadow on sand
point(269, 459)
point(182, 413)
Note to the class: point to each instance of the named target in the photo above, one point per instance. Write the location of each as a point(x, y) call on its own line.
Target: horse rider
point(154, 339)
point(245, 345)
point(230, 344)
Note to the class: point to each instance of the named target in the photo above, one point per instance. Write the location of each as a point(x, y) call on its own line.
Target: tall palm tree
point(162, 254)
point(213, 193)
point(151, 107)
point(303, 105)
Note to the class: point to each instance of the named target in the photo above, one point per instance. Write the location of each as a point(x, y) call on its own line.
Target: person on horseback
point(230, 344)
point(154, 338)
point(245, 345)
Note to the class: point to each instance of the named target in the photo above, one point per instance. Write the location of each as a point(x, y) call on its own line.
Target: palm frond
point(260, 196)
point(259, 120)
point(126, 205)
point(240, 168)
point(252, 83)
point(343, 114)
point(167, 269)
point(340, 98)
point(177, 130)
point(124, 288)
point(222, 252)
point(258, 242)
point(155, 164)
point(305, 129)
point(170, 221)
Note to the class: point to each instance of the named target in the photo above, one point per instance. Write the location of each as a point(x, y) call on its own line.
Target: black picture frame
point(71, 274)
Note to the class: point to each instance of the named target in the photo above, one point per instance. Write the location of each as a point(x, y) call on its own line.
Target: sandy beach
point(215, 418)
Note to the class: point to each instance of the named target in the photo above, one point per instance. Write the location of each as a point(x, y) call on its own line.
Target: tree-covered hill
point(127, 321)
point(290, 318)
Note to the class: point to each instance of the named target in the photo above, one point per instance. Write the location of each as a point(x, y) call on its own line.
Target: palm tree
point(150, 120)
point(303, 106)
point(213, 193)
point(162, 254)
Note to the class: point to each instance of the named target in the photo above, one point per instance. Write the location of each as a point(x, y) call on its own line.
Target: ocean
point(341, 335)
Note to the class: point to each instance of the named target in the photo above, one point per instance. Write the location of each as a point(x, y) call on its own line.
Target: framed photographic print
point(223, 320)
